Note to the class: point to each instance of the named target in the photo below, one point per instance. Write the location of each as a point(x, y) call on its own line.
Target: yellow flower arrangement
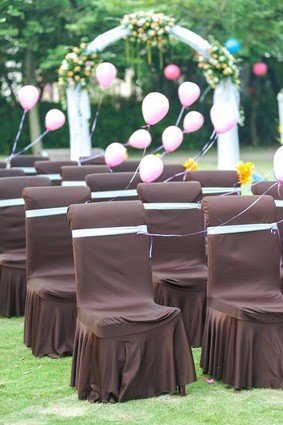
point(190, 165)
point(244, 171)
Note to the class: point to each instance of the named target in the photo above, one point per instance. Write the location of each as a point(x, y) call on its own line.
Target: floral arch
point(78, 104)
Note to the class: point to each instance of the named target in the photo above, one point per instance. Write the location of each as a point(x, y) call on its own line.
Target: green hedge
point(120, 117)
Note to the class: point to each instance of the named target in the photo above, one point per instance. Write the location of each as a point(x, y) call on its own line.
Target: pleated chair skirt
point(131, 367)
point(242, 354)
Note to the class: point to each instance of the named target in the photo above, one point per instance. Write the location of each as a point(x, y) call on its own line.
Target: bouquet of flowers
point(244, 171)
point(149, 29)
point(219, 65)
point(77, 67)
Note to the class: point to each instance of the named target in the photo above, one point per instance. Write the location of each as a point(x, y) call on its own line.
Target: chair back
point(26, 162)
point(52, 169)
point(12, 211)
point(127, 166)
point(48, 237)
point(170, 171)
point(276, 191)
point(111, 258)
point(111, 186)
point(216, 182)
point(6, 172)
point(172, 209)
point(74, 175)
point(243, 254)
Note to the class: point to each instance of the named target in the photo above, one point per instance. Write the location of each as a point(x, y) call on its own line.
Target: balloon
point(28, 97)
point(154, 107)
point(188, 93)
point(278, 164)
point(140, 139)
point(151, 167)
point(54, 119)
point(172, 72)
point(232, 45)
point(223, 117)
point(105, 74)
point(115, 154)
point(193, 121)
point(260, 69)
point(172, 138)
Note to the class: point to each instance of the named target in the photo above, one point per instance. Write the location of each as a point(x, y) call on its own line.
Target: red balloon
point(260, 69)
point(172, 72)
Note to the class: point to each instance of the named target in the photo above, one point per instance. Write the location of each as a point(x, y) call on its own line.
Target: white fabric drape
point(228, 143)
point(78, 116)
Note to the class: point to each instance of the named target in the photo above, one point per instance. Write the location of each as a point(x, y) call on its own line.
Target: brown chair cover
point(50, 314)
point(12, 243)
point(178, 263)
point(52, 169)
point(127, 166)
point(243, 340)
point(3, 164)
point(74, 175)
point(11, 173)
point(220, 179)
point(26, 162)
point(126, 346)
point(276, 191)
point(111, 186)
point(170, 171)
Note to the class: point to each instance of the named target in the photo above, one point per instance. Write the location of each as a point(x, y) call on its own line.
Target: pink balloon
point(115, 154)
point(54, 119)
point(172, 72)
point(188, 93)
point(140, 139)
point(260, 69)
point(223, 117)
point(172, 138)
point(105, 74)
point(193, 121)
point(28, 97)
point(151, 167)
point(154, 107)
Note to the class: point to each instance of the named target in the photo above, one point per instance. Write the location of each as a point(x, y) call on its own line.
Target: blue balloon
point(256, 178)
point(232, 45)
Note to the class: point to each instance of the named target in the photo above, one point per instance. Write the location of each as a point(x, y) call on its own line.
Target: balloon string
point(133, 176)
point(249, 207)
point(176, 124)
point(93, 127)
point(219, 225)
point(89, 158)
point(203, 151)
point(32, 143)
point(17, 136)
point(180, 116)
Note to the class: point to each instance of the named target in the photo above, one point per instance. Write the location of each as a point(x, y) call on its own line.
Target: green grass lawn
point(36, 391)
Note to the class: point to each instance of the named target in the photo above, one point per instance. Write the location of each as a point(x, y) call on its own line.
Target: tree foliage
point(35, 34)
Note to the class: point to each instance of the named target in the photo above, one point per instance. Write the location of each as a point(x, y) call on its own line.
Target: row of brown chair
point(104, 186)
point(38, 211)
point(242, 343)
point(12, 243)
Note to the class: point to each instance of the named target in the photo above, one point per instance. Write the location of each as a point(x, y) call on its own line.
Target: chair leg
point(182, 390)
